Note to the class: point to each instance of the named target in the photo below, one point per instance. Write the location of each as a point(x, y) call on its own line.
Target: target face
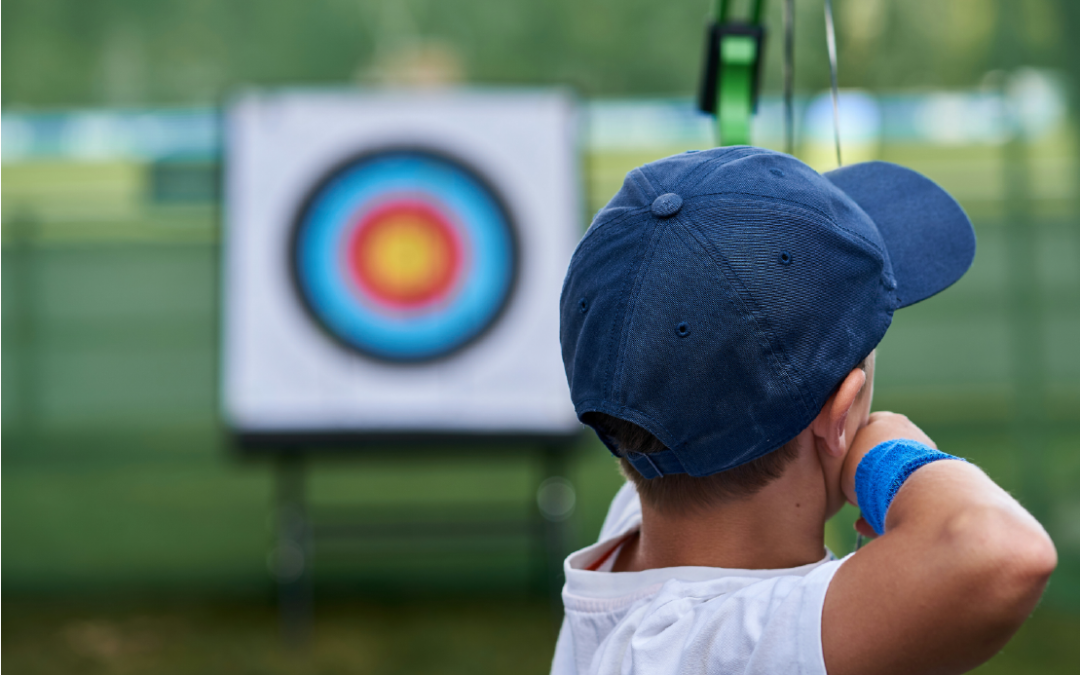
point(404, 255)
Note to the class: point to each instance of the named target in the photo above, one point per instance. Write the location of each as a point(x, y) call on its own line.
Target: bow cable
point(830, 39)
point(789, 76)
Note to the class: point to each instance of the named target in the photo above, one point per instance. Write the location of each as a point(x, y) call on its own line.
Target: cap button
point(666, 205)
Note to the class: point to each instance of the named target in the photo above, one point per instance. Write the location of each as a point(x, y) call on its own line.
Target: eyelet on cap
point(584, 305)
point(784, 258)
point(777, 172)
point(666, 205)
point(682, 329)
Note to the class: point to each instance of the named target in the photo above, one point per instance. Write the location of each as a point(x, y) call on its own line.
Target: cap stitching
point(729, 155)
point(587, 240)
point(613, 365)
point(765, 332)
point(743, 292)
point(631, 303)
point(652, 425)
point(739, 153)
point(884, 252)
point(659, 190)
point(724, 153)
point(648, 187)
point(648, 459)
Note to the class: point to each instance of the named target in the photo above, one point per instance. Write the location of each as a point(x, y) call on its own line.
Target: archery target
point(392, 263)
point(404, 255)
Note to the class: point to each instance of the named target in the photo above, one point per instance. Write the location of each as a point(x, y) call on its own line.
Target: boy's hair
point(681, 493)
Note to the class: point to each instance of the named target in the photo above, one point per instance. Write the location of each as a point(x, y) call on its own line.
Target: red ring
point(374, 223)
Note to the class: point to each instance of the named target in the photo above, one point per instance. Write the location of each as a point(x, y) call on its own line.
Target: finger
point(863, 528)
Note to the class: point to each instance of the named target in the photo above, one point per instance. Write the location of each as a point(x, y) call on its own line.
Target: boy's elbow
point(1023, 570)
point(1019, 549)
point(1009, 556)
point(1030, 563)
point(1038, 559)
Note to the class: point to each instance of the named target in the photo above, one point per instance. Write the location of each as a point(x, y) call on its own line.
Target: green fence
point(119, 479)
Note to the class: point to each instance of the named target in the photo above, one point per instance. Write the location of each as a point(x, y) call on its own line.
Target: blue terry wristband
point(883, 470)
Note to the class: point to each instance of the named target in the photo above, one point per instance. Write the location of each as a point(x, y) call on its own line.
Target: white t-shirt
point(687, 619)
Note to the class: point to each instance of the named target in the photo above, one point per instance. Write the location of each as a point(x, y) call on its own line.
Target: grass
point(440, 636)
point(432, 637)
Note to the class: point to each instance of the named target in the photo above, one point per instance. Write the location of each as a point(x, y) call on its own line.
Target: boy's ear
point(830, 424)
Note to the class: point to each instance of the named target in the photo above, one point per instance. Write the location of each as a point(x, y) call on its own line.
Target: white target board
point(393, 262)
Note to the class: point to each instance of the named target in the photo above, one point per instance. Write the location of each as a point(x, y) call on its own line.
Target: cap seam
point(589, 241)
point(586, 242)
point(639, 176)
point(725, 154)
point(732, 153)
point(696, 206)
point(613, 365)
point(881, 250)
point(766, 333)
point(655, 185)
point(631, 306)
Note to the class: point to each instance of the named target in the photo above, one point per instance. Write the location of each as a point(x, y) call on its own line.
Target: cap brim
point(929, 238)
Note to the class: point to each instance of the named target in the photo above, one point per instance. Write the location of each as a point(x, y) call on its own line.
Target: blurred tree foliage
point(168, 52)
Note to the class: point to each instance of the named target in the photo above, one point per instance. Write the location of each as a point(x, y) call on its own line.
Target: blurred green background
point(138, 542)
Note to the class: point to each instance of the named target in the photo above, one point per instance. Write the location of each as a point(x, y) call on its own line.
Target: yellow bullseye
point(406, 257)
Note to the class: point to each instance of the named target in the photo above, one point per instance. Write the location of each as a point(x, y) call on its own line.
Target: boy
point(718, 326)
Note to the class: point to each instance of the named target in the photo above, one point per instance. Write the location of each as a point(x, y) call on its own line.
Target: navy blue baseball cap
point(721, 296)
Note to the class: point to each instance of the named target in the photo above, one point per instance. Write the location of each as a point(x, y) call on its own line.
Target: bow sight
point(732, 72)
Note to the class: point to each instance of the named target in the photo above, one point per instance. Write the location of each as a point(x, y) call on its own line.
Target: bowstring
point(830, 39)
point(789, 76)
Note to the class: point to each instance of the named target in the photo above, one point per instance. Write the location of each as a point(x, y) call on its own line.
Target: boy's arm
point(959, 569)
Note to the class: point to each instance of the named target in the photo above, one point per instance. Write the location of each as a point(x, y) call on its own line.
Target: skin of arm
point(960, 567)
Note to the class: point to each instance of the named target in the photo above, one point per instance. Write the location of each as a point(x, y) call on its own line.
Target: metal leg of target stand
point(292, 553)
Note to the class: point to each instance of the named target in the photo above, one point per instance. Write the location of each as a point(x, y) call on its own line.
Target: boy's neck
point(781, 526)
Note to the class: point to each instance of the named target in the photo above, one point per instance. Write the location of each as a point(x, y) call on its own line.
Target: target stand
point(303, 533)
point(392, 268)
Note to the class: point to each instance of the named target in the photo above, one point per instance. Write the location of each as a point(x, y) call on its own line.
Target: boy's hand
point(882, 426)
